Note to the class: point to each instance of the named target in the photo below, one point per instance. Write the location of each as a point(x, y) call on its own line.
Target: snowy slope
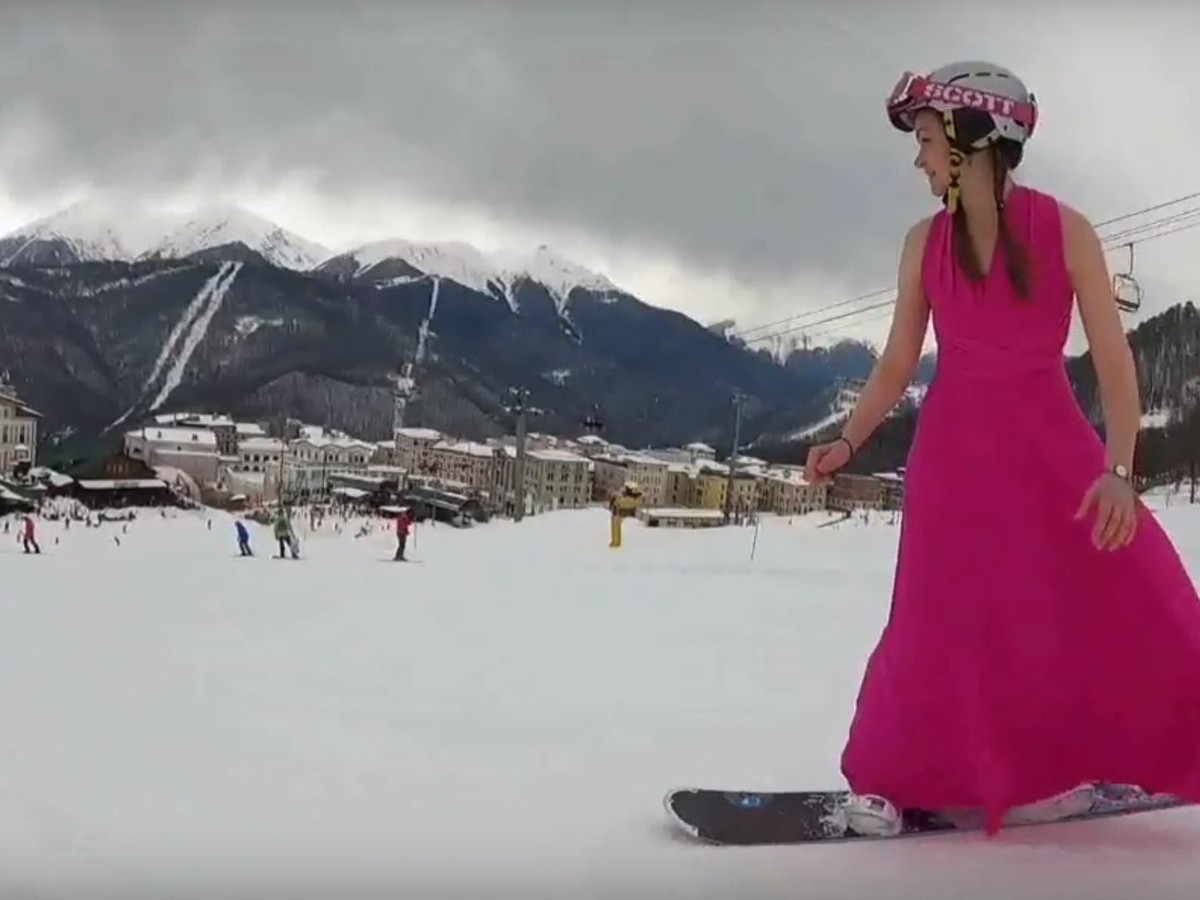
point(183, 339)
point(205, 306)
point(345, 726)
point(843, 405)
point(217, 226)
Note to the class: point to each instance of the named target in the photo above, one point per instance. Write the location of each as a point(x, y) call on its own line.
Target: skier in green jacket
point(285, 535)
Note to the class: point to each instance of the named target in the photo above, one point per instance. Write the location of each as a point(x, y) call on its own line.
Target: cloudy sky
point(726, 159)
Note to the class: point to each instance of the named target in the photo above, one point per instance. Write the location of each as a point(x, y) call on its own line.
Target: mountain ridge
point(102, 345)
point(100, 230)
point(548, 293)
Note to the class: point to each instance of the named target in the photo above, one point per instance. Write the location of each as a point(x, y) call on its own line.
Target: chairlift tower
point(404, 389)
point(521, 409)
point(735, 450)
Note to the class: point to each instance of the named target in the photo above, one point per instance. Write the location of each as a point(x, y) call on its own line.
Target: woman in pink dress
point(1044, 634)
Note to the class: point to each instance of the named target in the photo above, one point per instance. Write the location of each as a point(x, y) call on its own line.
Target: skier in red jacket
point(29, 535)
point(403, 529)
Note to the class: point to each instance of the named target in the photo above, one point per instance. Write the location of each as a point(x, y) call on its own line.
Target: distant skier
point(28, 535)
point(285, 536)
point(403, 529)
point(243, 538)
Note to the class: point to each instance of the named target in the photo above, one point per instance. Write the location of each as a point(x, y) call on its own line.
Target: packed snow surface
point(498, 718)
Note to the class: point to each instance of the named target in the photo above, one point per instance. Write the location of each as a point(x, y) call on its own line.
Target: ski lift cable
point(1186, 220)
point(875, 316)
point(1109, 241)
point(812, 312)
point(882, 314)
point(742, 333)
point(1183, 218)
point(891, 301)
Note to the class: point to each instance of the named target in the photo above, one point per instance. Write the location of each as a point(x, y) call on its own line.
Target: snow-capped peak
point(451, 259)
point(216, 226)
point(120, 229)
point(488, 273)
point(100, 229)
point(93, 230)
point(556, 273)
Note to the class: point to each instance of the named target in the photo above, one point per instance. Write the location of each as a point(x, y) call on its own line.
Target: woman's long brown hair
point(1004, 157)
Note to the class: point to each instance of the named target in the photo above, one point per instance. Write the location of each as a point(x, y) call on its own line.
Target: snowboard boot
point(871, 816)
point(1050, 809)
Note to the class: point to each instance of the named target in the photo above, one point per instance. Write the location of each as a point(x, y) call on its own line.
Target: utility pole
point(738, 398)
point(404, 388)
point(285, 445)
point(521, 409)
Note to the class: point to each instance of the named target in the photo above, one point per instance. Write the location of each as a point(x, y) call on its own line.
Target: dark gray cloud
point(745, 139)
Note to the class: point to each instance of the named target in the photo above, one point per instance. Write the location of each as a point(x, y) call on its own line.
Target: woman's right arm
point(897, 364)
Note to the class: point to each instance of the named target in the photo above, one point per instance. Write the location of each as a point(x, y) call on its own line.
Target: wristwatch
point(1120, 471)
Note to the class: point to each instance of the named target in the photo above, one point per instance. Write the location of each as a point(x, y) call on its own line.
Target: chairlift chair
point(1126, 290)
point(592, 422)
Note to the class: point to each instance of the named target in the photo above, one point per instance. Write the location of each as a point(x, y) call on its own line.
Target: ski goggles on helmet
point(913, 93)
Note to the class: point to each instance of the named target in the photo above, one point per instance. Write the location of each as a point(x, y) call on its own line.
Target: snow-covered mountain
point(377, 262)
point(548, 309)
point(218, 226)
point(81, 232)
point(90, 231)
point(556, 273)
point(390, 261)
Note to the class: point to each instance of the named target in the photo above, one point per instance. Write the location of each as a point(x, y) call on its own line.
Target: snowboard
point(798, 817)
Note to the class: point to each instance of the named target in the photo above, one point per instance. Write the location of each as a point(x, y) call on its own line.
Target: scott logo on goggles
point(969, 97)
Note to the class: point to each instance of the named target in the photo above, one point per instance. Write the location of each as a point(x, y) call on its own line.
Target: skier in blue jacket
point(243, 536)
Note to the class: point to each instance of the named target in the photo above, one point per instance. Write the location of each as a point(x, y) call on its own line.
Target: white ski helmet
point(980, 86)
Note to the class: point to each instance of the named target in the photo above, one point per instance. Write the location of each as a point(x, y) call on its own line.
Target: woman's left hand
point(1116, 511)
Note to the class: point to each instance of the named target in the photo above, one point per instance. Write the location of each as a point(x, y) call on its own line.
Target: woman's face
point(933, 150)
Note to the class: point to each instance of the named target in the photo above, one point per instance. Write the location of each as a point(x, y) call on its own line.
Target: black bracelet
point(842, 437)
